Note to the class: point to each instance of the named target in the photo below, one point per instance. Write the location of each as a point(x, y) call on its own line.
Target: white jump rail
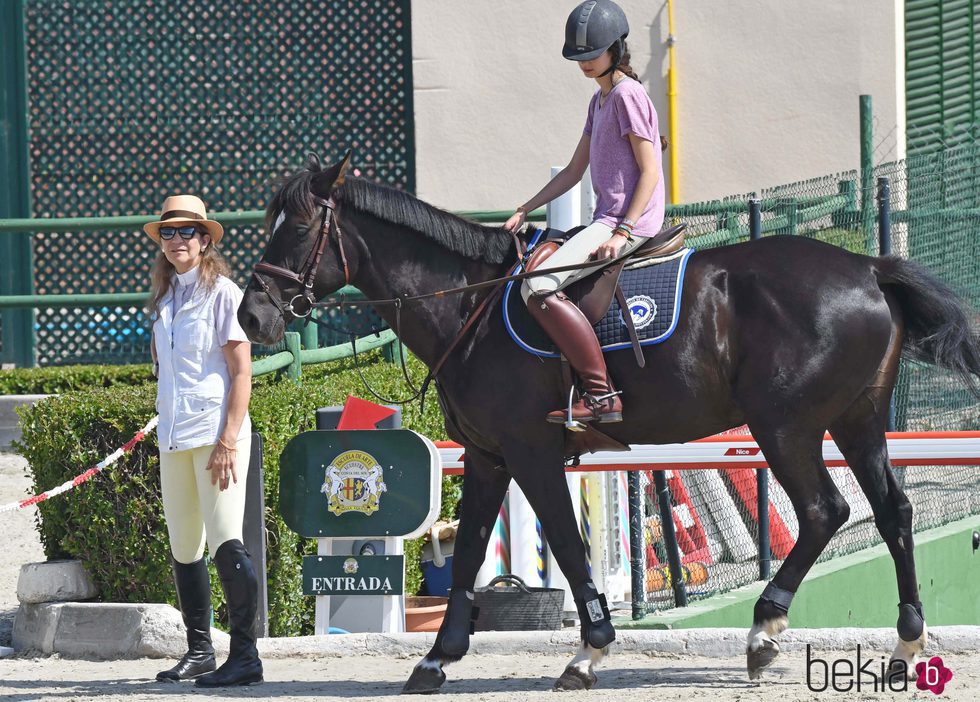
point(942, 448)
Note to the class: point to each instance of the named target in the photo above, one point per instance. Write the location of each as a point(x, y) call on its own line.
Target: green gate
point(131, 100)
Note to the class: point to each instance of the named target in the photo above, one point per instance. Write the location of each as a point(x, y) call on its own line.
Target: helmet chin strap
point(617, 57)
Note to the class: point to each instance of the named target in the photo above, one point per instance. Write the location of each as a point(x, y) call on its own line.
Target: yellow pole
point(674, 138)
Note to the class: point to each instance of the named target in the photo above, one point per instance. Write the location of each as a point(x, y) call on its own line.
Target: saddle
point(594, 293)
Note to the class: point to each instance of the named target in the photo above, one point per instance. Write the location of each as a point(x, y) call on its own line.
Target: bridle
point(307, 274)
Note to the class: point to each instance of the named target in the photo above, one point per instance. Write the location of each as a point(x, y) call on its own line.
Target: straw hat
point(179, 210)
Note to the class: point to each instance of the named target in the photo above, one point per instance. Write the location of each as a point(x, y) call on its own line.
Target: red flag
point(361, 414)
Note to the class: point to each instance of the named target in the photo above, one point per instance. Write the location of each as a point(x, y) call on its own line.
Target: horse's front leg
point(539, 470)
point(484, 487)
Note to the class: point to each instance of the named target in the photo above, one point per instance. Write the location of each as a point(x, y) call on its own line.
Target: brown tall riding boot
point(570, 330)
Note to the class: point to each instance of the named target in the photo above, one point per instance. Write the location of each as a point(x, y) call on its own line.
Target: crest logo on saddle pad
point(643, 310)
point(353, 482)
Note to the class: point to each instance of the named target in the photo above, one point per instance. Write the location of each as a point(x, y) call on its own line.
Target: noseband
point(307, 274)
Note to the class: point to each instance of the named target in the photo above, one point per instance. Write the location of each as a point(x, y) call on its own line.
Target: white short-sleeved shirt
point(193, 325)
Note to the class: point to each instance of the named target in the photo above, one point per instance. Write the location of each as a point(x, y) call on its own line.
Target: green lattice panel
point(130, 101)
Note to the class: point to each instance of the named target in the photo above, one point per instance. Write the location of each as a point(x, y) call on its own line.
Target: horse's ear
point(325, 182)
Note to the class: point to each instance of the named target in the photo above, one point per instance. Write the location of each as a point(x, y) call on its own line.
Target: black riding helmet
point(594, 27)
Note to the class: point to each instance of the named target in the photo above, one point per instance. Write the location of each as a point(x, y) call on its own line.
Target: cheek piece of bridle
point(301, 304)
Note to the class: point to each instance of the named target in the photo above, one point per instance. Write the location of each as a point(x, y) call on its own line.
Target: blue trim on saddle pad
point(656, 287)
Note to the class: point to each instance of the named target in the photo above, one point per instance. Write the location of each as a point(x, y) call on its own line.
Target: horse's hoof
point(761, 658)
point(575, 679)
point(424, 681)
point(898, 671)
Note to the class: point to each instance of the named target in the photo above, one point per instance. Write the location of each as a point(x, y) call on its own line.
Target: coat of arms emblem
point(353, 482)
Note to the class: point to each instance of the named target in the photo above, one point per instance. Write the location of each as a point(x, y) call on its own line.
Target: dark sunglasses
point(186, 233)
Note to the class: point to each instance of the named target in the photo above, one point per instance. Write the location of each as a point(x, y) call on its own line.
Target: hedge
point(53, 380)
point(114, 523)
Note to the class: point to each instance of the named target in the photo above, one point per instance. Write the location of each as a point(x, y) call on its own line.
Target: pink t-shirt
point(615, 171)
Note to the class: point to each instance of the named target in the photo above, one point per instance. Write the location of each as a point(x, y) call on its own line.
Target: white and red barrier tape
point(79, 479)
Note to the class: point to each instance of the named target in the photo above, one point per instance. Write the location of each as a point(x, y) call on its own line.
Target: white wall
point(768, 91)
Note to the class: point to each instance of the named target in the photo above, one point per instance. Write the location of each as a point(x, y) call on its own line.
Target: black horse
point(787, 335)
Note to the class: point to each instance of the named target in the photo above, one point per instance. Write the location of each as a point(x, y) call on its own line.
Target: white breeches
point(195, 509)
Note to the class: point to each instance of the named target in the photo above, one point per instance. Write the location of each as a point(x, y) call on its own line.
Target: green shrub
point(58, 379)
point(114, 522)
point(852, 240)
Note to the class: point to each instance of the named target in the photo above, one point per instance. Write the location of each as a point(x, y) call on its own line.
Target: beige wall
point(768, 91)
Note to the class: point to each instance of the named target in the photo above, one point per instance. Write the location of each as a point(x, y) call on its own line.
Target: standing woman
point(202, 360)
point(621, 143)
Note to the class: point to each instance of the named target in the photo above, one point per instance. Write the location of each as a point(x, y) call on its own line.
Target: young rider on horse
point(620, 143)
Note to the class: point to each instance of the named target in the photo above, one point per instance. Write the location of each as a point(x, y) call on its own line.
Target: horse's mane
point(461, 236)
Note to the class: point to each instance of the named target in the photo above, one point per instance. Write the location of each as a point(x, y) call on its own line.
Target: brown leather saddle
point(594, 293)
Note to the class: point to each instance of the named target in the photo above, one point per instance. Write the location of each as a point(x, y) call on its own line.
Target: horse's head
point(306, 257)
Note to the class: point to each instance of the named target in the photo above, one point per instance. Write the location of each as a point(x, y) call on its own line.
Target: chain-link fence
point(935, 217)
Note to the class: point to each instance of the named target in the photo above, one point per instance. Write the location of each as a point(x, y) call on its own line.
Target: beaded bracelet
point(623, 232)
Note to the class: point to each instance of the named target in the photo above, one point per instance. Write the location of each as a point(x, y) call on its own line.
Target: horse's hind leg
point(484, 488)
point(796, 459)
point(860, 435)
point(538, 471)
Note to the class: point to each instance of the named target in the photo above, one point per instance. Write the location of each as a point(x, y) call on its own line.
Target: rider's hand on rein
point(516, 220)
point(609, 249)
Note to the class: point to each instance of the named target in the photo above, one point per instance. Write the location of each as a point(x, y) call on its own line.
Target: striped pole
point(542, 552)
point(624, 523)
point(503, 537)
point(585, 525)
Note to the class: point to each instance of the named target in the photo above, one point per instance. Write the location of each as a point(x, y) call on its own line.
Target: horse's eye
point(302, 231)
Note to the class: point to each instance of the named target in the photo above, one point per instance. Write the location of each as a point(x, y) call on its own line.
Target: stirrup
point(572, 424)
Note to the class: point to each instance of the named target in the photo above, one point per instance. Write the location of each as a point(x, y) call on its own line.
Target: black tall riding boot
point(194, 600)
point(243, 666)
point(575, 338)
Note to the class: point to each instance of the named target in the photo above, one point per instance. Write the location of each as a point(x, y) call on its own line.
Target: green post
point(310, 336)
point(16, 266)
point(789, 208)
point(867, 174)
point(392, 352)
point(845, 217)
point(295, 369)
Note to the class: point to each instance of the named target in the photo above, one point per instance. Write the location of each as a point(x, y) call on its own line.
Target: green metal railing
point(26, 303)
point(228, 219)
point(294, 357)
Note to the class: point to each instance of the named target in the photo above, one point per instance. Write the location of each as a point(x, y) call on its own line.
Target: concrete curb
point(54, 581)
point(120, 631)
point(712, 643)
point(104, 630)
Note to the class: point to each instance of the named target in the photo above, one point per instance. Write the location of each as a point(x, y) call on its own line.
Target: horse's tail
point(938, 328)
